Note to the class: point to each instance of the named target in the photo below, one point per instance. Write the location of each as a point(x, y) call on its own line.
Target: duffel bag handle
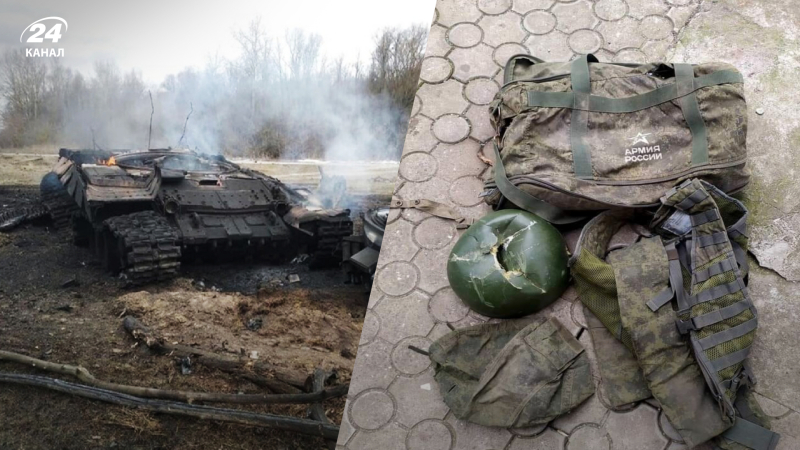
point(579, 123)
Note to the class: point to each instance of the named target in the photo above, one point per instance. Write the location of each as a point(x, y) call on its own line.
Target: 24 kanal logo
point(50, 29)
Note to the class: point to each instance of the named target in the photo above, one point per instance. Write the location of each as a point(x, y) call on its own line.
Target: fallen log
point(286, 381)
point(85, 376)
point(303, 426)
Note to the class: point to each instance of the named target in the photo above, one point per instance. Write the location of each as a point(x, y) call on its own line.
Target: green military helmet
point(509, 264)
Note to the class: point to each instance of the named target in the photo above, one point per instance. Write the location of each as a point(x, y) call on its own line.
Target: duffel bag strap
point(526, 201)
point(435, 209)
point(579, 122)
point(684, 78)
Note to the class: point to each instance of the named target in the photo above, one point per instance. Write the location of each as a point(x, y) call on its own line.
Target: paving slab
point(393, 400)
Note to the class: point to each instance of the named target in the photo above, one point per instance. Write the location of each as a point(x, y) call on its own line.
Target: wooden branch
point(85, 376)
point(317, 410)
point(286, 381)
point(303, 426)
point(191, 110)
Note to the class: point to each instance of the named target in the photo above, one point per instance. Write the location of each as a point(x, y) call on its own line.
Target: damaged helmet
point(510, 263)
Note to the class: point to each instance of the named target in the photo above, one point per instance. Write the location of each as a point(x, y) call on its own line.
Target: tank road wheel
point(143, 247)
point(57, 200)
point(326, 245)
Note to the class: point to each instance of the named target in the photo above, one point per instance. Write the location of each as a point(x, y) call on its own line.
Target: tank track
point(12, 218)
point(57, 200)
point(147, 247)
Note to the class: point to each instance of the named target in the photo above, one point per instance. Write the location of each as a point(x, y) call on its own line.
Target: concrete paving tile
point(410, 362)
point(430, 435)
point(451, 128)
point(610, 9)
point(550, 47)
point(574, 16)
point(452, 12)
point(548, 440)
point(417, 166)
point(590, 411)
point(481, 91)
point(405, 248)
point(404, 316)
point(443, 98)
point(373, 367)
point(437, 44)
point(465, 35)
point(504, 52)
point(525, 6)
point(435, 69)
point(500, 29)
point(473, 62)
point(391, 437)
point(431, 263)
point(482, 129)
point(372, 409)
point(621, 34)
point(456, 161)
point(635, 430)
point(588, 437)
point(494, 7)
point(642, 8)
point(346, 429)
point(397, 278)
point(445, 306)
point(418, 398)
point(539, 22)
point(476, 437)
point(434, 233)
point(419, 136)
point(370, 328)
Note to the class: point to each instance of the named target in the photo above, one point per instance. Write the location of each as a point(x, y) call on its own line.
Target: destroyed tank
point(144, 212)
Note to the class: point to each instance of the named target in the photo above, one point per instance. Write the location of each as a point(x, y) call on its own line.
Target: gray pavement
point(393, 401)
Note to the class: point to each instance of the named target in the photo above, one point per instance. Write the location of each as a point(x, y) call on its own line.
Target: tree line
point(281, 97)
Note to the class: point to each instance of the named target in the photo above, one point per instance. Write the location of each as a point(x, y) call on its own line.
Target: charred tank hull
point(145, 212)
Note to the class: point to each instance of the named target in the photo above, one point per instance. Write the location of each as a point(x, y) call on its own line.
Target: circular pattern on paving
point(539, 22)
point(408, 361)
point(433, 233)
point(667, 429)
point(679, 2)
point(465, 35)
point(585, 41)
point(494, 7)
point(397, 278)
point(430, 434)
point(370, 328)
point(451, 128)
point(505, 51)
point(480, 91)
point(588, 437)
point(445, 306)
point(529, 431)
point(630, 55)
point(610, 9)
point(435, 69)
point(372, 409)
point(418, 166)
point(464, 191)
point(656, 27)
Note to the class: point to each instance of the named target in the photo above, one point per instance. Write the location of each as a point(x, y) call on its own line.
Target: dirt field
point(232, 309)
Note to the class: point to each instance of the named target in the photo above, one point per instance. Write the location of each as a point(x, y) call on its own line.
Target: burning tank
point(145, 212)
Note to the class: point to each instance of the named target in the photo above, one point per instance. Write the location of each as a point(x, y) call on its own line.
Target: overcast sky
point(159, 37)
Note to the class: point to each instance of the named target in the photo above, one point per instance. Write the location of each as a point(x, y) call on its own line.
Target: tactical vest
point(678, 304)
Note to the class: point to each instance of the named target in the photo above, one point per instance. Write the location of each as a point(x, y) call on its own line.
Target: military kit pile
point(656, 150)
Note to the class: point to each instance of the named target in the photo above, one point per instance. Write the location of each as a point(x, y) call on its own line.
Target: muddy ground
point(230, 308)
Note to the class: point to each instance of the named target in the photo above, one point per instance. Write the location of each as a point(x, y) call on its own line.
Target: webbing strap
point(739, 228)
point(704, 320)
point(436, 209)
point(526, 201)
point(706, 240)
point(751, 435)
point(718, 291)
point(661, 299)
point(684, 78)
point(704, 217)
point(741, 257)
point(579, 122)
point(629, 104)
point(731, 333)
point(676, 277)
point(713, 270)
point(691, 200)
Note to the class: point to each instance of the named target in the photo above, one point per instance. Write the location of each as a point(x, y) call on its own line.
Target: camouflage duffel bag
point(579, 136)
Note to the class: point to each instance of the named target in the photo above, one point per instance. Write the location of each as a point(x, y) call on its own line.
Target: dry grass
point(135, 419)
